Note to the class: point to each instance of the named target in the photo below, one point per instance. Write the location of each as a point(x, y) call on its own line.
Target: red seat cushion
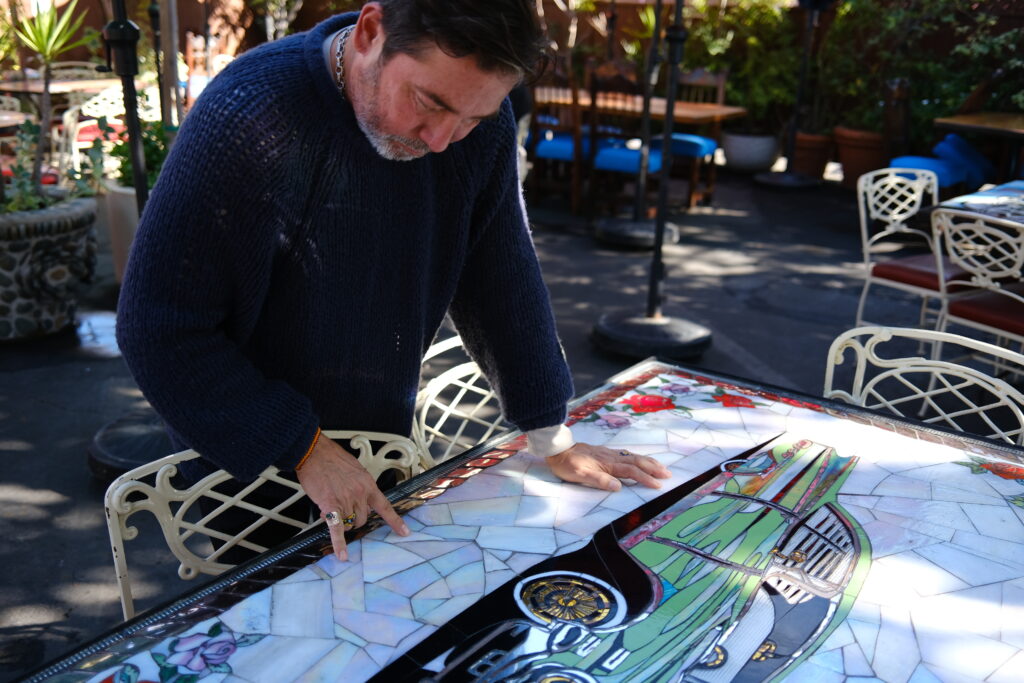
point(92, 131)
point(48, 177)
point(990, 308)
point(919, 271)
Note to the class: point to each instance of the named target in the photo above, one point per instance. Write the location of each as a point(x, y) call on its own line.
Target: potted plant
point(755, 42)
point(119, 204)
point(47, 243)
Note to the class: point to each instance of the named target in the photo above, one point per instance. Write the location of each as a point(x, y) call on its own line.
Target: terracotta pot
point(859, 151)
point(122, 216)
point(811, 154)
point(45, 255)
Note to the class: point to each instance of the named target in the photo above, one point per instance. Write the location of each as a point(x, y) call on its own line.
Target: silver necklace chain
point(339, 66)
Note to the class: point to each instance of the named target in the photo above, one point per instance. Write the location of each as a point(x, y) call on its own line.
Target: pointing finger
point(379, 502)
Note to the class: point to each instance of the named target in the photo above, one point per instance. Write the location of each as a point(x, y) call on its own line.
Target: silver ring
point(333, 518)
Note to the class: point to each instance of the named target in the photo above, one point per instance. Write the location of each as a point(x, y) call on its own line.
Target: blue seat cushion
point(615, 155)
point(956, 150)
point(948, 174)
point(686, 145)
point(558, 146)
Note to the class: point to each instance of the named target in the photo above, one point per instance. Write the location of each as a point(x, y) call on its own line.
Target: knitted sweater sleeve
point(198, 273)
point(502, 307)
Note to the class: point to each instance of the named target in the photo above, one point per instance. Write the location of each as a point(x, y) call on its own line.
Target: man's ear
point(369, 30)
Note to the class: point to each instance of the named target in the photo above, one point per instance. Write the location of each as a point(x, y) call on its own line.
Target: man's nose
point(438, 134)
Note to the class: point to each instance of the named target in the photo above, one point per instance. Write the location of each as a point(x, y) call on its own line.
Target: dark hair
point(503, 35)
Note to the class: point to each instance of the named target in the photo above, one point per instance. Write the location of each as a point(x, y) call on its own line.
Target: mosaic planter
point(45, 255)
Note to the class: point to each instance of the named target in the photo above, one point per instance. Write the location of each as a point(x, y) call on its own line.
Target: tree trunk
point(43, 146)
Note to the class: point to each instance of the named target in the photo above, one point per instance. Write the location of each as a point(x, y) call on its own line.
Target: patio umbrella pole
point(121, 36)
point(639, 230)
point(655, 334)
point(154, 23)
point(138, 437)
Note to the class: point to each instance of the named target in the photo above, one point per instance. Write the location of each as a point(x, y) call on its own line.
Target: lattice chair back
point(456, 410)
point(109, 103)
point(74, 71)
point(9, 103)
point(990, 250)
point(938, 392)
point(185, 526)
point(891, 196)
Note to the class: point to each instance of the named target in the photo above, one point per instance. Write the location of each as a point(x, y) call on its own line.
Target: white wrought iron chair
point(81, 118)
point(989, 255)
point(151, 488)
point(455, 410)
point(886, 200)
point(932, 390)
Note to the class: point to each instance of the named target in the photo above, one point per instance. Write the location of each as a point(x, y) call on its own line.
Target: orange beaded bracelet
point(316, 437)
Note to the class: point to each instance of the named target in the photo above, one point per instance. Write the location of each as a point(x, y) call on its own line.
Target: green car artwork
point(737, 575)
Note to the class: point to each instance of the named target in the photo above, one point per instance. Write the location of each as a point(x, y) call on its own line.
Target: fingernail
point(404, 530)
point(343, 556)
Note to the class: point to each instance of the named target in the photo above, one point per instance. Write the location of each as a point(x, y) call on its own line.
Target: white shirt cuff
point(548, 441)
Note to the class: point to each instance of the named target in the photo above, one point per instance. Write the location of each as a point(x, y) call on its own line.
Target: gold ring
point(349, 521)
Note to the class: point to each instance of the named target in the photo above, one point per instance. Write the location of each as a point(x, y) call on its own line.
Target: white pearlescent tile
point(326, 670)
point(434, 513)
point(592, 433)
point(251, 615)
point(927, 577)
point(383, 601)
point(423, 607)
point(968, 566)
point(455, 531)
point(517, 538)
point(520, 562)
point(381, 560)
point(380, 654)
point(838, 639)
point(896, 651)
point(921, 525)
point(414, 638)
point(637, 436)
point(679, 441)
point(922, 674)
point(537, 511)
point(812, 672)
point(888, 539)
point(903, 487)
point(539, 470)
point(485, 486)
point(387, 535)
point(587, 526)
point(865, 501)
point(360, 668)
point(502, 555)
point(864, 479)
point(961, 495)
point(467, 580)
point(497, 578)
point(278, 658)
point(492, 563)
point(1007, 552)
point(866, 635)
point(497, 511)
point(347, 588)
point(1012, 671)
point(624, 500)
point(428, 550)
point(967, 654)
point(977, 610)
point(438, 590)
point(866, 611)
point(571, 546)
point(515, 466)
point(342, 633)
point(444, 612)
point(573, 507)
point(888, 584)
point(410, 581)
point(996, 522)
point(854, 661)
point(831, 660)
point(1011, 620)
point(446, 564)
point(861, 514)
point(375, 628)
point(332, 566)
point(542, 487)
point(304, 574)
point(302, 609)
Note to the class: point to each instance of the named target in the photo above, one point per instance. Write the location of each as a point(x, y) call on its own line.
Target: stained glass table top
point(797, 539)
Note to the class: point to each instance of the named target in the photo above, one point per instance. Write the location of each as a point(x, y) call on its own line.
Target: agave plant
point(49, 36)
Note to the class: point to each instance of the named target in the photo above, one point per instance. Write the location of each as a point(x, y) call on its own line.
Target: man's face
point(410, 106)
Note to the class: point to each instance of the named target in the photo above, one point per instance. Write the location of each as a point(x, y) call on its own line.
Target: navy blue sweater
point(286, 276)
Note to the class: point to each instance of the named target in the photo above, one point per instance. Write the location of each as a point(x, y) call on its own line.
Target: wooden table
point(12, 119)
point(797, 536)
point(1004, 125)
point(34, 86)
point(686, 113)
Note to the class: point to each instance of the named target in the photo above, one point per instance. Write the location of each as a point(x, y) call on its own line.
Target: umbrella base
point(623, 232)
point(126, 443)
point(638, 336)
point(787, 180)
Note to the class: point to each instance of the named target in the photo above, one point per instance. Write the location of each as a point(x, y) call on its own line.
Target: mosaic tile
point(896, 653)
point(512, 538)
point(888, 539)
point(960, 495)
point(903, 487)
point(812, 672)
point(432, 515)
point(279, 658)
point(383, 601)
point(995, 522)
point(451, 562)
point(969, 567)
point(854, 661)
point(381, 560)
point(496, 512)
point(347, 588)
point(520, 562)
point(921, 525)
point(927, 577)
point(977, 610)
point(449, 608)
point(863, 515)
point(375, 628)
point(467, 580)
point(486, 486)
point(251, 615)
point(966, 654)
point(923, 675)
point(302, 610)
point(1006, 552)
point(839, 638)
point(455, 531)
point(1010, 672)
point(1012, 618)
point(428, 550)
point(866, 635)
point(496, 579)
point(536, 511)
point(325, 670)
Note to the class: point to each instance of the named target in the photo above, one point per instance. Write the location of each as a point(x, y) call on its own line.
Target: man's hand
point(601, 468)
point(336, 482)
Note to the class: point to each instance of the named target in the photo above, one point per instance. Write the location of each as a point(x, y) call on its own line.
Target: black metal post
point(651, 65)
point(613, 18)
point(121, 37)
point(655, 333)
point(154, 24)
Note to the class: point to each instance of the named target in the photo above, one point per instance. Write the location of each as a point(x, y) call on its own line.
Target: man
point(329, 198)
